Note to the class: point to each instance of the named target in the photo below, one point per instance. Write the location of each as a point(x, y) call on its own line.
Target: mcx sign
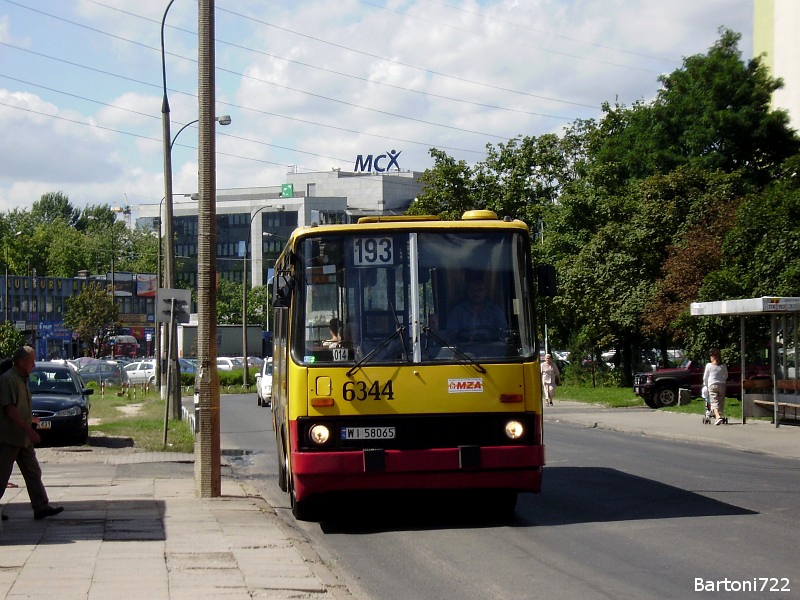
point(369, 163)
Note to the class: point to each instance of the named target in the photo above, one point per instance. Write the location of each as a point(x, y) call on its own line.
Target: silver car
point(264, 383)
point(142, 371)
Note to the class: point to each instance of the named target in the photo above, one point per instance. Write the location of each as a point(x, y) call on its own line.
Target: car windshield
point(45, 380)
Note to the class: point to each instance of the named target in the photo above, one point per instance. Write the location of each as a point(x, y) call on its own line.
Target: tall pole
point(5, 291)
point(246, 375)
point(169, 233)
point(156, 322)
point(208, 480)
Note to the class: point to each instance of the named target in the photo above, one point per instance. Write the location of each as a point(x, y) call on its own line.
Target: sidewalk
point(755, 436)
point(132, 527)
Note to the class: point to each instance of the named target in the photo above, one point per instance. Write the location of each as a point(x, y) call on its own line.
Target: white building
point(270, 214)
point(775, 27)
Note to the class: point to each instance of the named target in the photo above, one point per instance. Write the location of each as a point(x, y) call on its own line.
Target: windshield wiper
point(397, 332)
point(465, 358)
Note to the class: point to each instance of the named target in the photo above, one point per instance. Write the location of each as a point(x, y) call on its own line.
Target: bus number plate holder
point(368, 433)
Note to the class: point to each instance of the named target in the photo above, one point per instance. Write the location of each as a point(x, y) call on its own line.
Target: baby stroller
point(709, 416)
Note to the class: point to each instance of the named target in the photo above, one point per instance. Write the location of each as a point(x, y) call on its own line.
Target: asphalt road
point(620, 516)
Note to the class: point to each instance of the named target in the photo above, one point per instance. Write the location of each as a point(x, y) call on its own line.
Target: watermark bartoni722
point(756, 584)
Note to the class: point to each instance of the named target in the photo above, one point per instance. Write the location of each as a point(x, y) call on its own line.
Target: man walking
point(17, 435)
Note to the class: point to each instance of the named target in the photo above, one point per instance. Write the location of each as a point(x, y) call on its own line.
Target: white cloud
point(543, 56)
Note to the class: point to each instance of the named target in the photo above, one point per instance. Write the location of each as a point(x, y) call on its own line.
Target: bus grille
point(420, 432)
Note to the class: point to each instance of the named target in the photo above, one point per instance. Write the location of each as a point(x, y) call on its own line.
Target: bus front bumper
point(487, 467)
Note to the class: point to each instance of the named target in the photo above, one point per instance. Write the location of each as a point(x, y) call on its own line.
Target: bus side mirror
point(546, 280)
point(282, 290)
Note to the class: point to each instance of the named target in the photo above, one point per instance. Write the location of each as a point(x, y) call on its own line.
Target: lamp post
point(246, 375)
point(222, 120)
point(157, 342)
point(5, 298)
point(169, 264)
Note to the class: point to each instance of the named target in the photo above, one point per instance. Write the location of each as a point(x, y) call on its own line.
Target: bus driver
point(476, 319)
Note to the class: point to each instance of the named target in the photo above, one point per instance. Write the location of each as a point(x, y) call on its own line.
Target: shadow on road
point(571, 495)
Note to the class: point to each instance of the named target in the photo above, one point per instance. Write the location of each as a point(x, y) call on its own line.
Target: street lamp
point(5, 299)
point(222, 120)
point(246, 375)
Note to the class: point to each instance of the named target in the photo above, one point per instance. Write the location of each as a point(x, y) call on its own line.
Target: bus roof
point(471, 219)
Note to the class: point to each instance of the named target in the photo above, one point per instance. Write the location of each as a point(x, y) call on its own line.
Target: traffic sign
point(165, 306)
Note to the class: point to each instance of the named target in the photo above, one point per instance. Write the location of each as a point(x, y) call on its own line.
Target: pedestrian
point(17, 435)
point(714, 378)
point(551, 377)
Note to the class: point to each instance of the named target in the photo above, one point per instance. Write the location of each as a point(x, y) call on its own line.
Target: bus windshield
point(428, 296)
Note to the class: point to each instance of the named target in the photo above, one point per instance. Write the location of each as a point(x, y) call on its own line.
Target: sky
point(310, 85)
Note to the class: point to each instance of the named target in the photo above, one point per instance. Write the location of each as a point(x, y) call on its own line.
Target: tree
point(449, 188)
point(713, 113)
point(229, 302)
point(94, 316)
point(10, 340)
point(258, 307)
point(67, 251)
point(54, 206)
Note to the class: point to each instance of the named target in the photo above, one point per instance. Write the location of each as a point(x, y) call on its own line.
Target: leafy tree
point(713, 113)
point(54, 206)
point(449, 188)
point(229, 302)
point(94, 316)
point(258, 308)
point(68, 251)
point(10, 340)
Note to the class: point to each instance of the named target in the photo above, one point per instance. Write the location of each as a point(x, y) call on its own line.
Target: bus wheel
point(283, 469)
point(504, 503)
point(301, 509)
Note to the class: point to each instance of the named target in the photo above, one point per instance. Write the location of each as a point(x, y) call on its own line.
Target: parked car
point(141, 371)
point(106, 373)
point(264, 384)
point(228, 364)
point(187, 366)
point(60, 401)
point(659, 388)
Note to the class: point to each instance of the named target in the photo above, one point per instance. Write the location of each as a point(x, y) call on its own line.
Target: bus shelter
point(779, 394)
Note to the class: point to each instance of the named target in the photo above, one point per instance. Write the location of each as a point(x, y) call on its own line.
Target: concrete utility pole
point(208, 477)
point(169, 232)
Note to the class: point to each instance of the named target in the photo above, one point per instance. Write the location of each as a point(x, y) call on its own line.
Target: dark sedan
point(61, 403)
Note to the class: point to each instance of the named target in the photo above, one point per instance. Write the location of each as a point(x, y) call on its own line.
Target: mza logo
point(370, 163)
point(464, 386)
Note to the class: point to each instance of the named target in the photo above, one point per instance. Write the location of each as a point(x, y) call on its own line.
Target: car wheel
point(83, 437)
point(260, 401)
point(650, 402)
point(665, 395)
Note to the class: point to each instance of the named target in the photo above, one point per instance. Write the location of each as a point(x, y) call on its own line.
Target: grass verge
point(139, 417)
point(615, 397)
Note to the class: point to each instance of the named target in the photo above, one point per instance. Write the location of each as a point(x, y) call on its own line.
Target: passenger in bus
point(335, 340)
point(476, 319)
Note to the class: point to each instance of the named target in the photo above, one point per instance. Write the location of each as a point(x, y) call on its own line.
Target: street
point(620, 516)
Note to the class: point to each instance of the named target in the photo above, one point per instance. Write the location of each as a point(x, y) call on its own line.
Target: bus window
point(394, 311)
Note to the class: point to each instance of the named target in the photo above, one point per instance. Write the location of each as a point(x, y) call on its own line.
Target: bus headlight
point(514, 430)
point(319, 434)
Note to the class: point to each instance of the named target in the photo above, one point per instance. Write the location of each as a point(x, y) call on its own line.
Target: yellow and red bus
point(388, 374)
